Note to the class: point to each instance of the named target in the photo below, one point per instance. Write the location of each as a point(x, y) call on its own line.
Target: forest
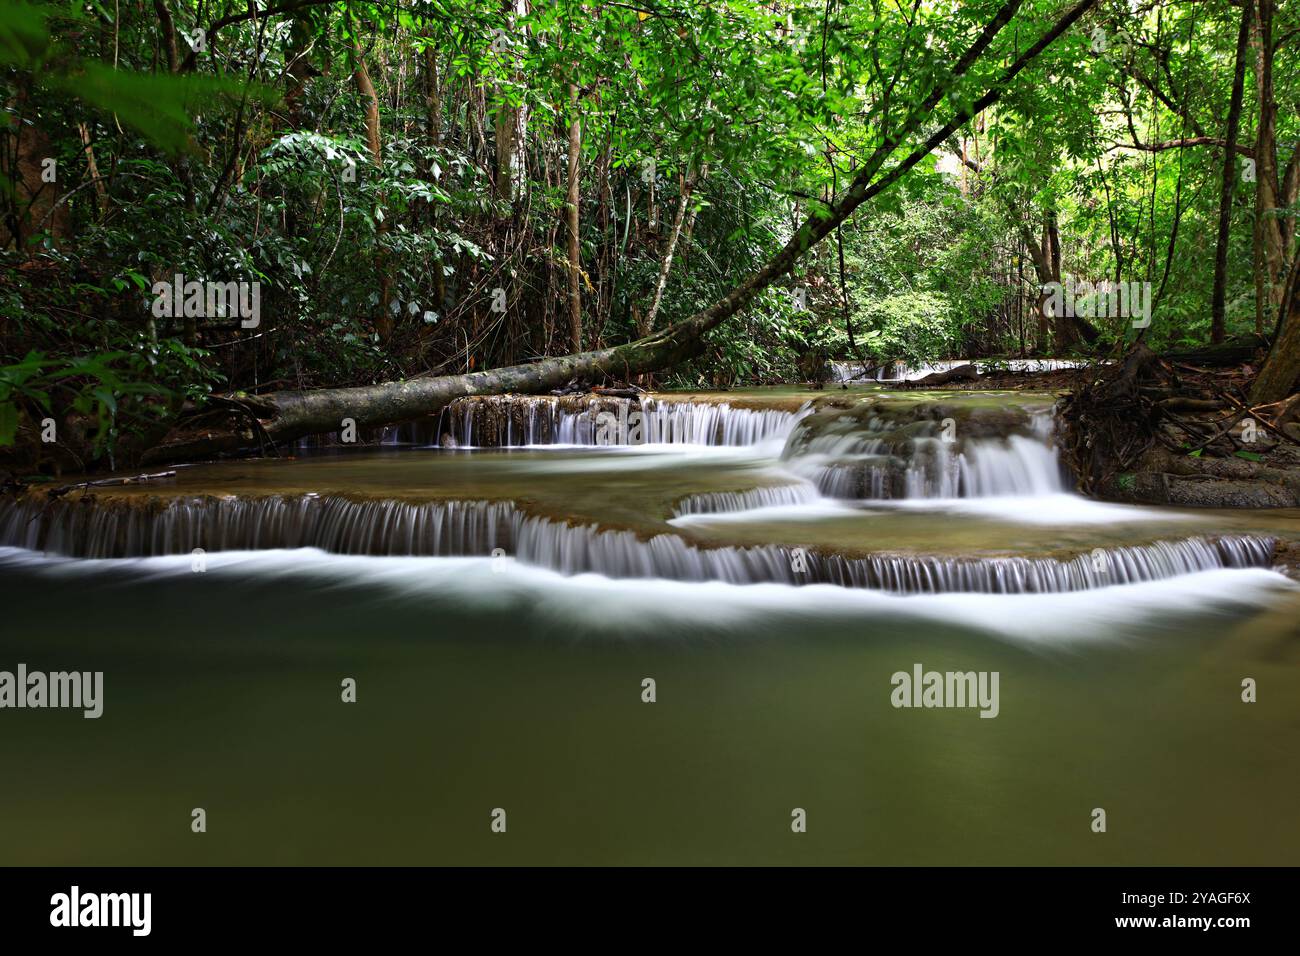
point(648, 432)
point(221, 208)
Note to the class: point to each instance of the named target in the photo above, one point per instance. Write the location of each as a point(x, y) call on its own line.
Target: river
point(504, 583)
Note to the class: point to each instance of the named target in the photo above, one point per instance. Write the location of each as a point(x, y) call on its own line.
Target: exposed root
point(1117, 415)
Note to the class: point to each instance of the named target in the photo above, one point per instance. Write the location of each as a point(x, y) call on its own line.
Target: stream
point(502, 580)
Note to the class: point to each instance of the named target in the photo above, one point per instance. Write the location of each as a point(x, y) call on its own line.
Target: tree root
point(1117, 417)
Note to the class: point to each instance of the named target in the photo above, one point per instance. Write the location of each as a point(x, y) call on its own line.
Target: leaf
point(107, 399)
point(23, 36)
point(159, 106)
point(1248, 455)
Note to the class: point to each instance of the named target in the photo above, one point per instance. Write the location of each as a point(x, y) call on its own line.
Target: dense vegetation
point(440, 186)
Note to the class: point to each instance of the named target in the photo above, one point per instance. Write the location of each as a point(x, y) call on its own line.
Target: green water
point(222, 692)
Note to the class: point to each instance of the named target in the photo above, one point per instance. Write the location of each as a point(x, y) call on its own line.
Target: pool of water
point(515, 678)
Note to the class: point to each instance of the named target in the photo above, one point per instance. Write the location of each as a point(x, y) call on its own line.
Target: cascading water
point(924, 453)
point(847, 372)
point(520, 421)
point(848, 449)
point(769, 496)
point(459, 528)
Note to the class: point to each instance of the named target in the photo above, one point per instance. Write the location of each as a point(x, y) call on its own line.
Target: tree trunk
point(167, 26)
point(666, 266)
point(1218, 300)
point(255, 421)
point(506, 124)
point(28, 199)
point(1269, 253)
point(361, 76)
point(1276, 380)
point(1046, 258)
point(571, 211)
point(92, 168)
point(1064, 331)
point(510, 123)
point(1043, 272)
point(433, 101)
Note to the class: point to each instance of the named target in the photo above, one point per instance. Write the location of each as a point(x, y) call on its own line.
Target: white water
point(650, 609)
point(843, 471)
point(849, 466)
point(596, 421)
point(385, 527)
point(897, 458)
point(902, 372)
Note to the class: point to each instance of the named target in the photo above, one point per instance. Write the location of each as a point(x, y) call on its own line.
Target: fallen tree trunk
point(244, 422)
point(1223, 355)
point(958, 373)
point(241, 423)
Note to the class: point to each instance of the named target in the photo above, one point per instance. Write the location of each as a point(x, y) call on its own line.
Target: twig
point(64, 489)
point(1261, 419)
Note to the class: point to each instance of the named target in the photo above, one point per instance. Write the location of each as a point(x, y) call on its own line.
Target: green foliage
point(101, 389)
point(24, 39)
point(913, 326)
point(255, 162)
point(160, 106)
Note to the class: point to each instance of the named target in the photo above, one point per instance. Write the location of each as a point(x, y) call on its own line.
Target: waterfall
point(840, 447)
point(518, 421)
point(771, 496)
point(849, 372)
point(521, 420)
point(121, 528)
point(381, 527)
point(920, 452)
point(870, 452)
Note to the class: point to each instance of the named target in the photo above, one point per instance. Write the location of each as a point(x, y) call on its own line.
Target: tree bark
point(370, 98)
point(168, 28)
point(1219, 297)
point(510, 124)
point(1043, 270)
point(666, 265)
point(1276, 380)
point(571, 212)
point(433, 101)
point(1046, 259)
point(1268, 232)
point(92, 168)
point(506, 123)
point(284, 416)
point(1064, 331)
